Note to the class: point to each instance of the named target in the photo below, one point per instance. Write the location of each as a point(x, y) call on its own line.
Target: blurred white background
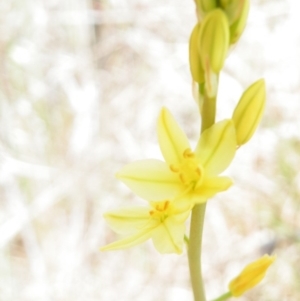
point(81, 86)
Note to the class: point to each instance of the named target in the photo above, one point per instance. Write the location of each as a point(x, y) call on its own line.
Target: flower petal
point(127, 221)
point(150, 179)
point(216, 147)
point(172, 140)
point(169, 237)
point(181, 208)
point(128, 242)
point(210, 187)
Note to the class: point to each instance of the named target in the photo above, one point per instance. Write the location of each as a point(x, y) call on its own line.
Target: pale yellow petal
point(127, 221)
point(169, 237)
point(209, 187)
point(150, 179)
point(128, 242)
point(182, 208)
point(216, 147)
point(172, 140)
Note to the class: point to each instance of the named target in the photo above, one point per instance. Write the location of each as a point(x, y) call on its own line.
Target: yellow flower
point(184, 172)
point(250, 276)
point(164, 222)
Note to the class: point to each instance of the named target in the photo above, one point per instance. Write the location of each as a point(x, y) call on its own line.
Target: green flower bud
point(214, 40)
point(238, 26)
point(233, 9)
point(206, 5)
point(249, 110)
point(195, 62)
point(224, 3)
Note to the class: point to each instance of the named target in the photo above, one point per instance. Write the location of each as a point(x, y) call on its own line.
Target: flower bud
point(214, 40)
point(238, 26)
point(250, 276)
point(224, 3)
point(206, 5)
point(195, 62)
point(249, 110)
point(232, 8)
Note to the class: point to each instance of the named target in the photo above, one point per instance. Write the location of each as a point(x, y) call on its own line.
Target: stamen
point(188, 153)
point(166, 205)
point(182, 178)
point(198, 172)
point(160, 207)
point(174, 168)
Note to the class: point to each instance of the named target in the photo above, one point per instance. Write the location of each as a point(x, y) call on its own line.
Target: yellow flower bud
point(195, 63)
point(238, 26)
point(214, 40)
point(249, 110)
point(250, 276)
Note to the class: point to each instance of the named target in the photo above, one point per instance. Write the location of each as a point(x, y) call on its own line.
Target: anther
point(188, 153)
point(166, 205)
point(198, 172)
point(174, 168)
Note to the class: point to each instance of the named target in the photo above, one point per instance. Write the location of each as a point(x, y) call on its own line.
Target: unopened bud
point(195, 62)
point(214, 40)
point(250, 276)
point(232, 9)
point(249, 110)
point(206, 5)
point(239, 16)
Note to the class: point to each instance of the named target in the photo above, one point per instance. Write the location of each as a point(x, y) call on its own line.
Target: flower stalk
point(194, 252)
point(179, 186)
point(224, 297)
point(198, 213)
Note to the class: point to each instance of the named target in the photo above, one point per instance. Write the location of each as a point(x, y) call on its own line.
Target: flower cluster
point(172, 188)
point(190, 176)
point(186, 178)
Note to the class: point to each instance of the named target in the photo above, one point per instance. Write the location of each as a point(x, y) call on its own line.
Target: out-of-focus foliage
point(80, 85)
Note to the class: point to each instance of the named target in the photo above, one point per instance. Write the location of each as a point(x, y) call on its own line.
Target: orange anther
point(174, 168)
point(166, 205)
point(198, 171)
point(188, 153)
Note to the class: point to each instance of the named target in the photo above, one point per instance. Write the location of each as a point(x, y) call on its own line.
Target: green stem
point(198, 212)
point(223, 297)
point(208, 113)
point(194, 251)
